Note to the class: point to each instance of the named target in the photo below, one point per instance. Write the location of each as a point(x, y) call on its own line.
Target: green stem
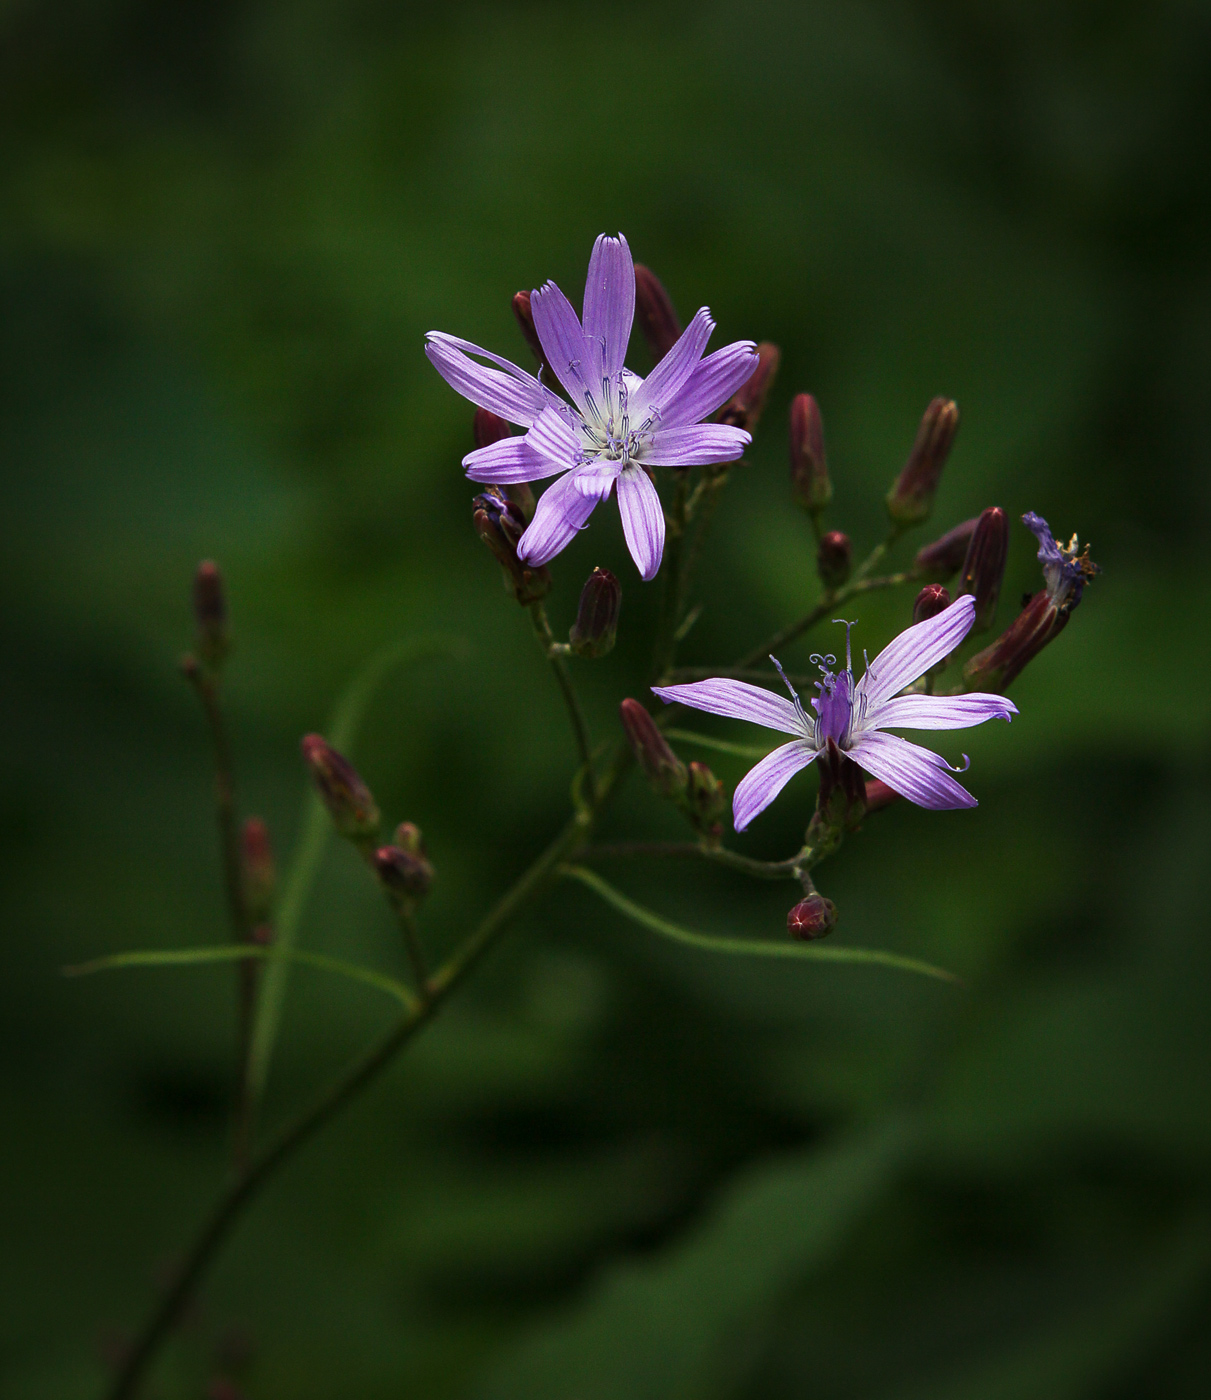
point(580, 729)
point(670, 603)
point(717, 855)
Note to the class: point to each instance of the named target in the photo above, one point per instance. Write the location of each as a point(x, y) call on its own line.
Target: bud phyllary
point(402, 873)
point(809, 466)
point(984, 566)
point(743, 409)
point(655, 313)
point(488, 427)
point(705, 800)
point(942, 559)
point(350, 802)
point(500, 523)
point(811, 918)
point(525, 321)
point(931, 600)
point(213, 640)
point(661, 766)
point(834, 558)
point(596, 624)
point(911, 498)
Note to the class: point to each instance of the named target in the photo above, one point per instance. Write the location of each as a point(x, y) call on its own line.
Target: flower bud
point(811, 918)
point(661, 766)
point(879, 795)
point(500, 523)
point(931, 600)
point(402, 873)
point(260, 872)
point(487, 428)
point(408, 838)
point(525, 321)
point(654, 311)
point(944, 558)
point(213, 640)
point(984, 567)
point(743, 409)
point(705, 800)
point(596, 624)
point(809, 466)
point(350, 802)
point(911, 498)
point(834, 558)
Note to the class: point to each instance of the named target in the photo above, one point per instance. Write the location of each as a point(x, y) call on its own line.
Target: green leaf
point(748, 947)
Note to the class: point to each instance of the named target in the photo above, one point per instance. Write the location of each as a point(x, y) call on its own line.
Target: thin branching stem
point(717, 855)
point(580, 728)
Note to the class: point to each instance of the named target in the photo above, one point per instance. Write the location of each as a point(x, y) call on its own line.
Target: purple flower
point(854, 715)
point(1066, 572)
point(617, 425)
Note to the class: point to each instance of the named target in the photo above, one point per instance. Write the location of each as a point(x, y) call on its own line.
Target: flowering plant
point(611, 433)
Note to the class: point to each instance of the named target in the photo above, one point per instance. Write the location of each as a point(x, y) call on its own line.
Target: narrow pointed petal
point(941, 711)
point(506, 390)
point(563, 341)
point(609, 300)
point(562, 510)
point(735, 700)
point(916, 773)
point(553, 438)
point(596, 478)
point(696, 446)
point(913, 652)
point(712, 383)
point(760, 785)
point(642, 520)
point(510, 460)
point(661, 388)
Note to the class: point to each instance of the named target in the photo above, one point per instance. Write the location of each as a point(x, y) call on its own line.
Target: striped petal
point(942, 711)
point(661, 388)
point(916, 773)
point(510, 460)
point(760, 785)
point(735, 700)
point(506, 390)
point(609, 300)
point(561, 512)
point(711, 384)
point(699, 445)
point(913, 652)
point(642, 520)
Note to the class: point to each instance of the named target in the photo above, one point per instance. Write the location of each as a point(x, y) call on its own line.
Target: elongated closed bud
point(942, 559)
point(350, 802)
point(488, 427)
point(911, 498)
point(809, 466)
point(212, 639)
point(811, 918)
point(596, 626)
point(654, 310)
point(834, 558)
point(661, 766)
point(500, 523)
point(879, 795)
point(260, 871)
point(931, 600)
point(984, 567)
point(744, 408)
point(705, 800)
point(525, 322)
point(404, 874)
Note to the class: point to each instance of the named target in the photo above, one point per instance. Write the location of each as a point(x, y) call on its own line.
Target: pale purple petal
point(510, 460)
point(642, 520)
point(696, 446)
point(736, 700)
point(913, 652)
point(942, 711)
point(558, 329)
point(760, 785)
point(554, 438)
point(596, 478)
point(562, 510)
point(711, 384)
point(508, 390)
point(916, 773)
point(609, 299)
point(661, 388)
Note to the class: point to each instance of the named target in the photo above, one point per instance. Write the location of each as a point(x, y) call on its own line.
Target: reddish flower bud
point(403, 874)
point(706, 800)
point(488, 428)
point(525, 321)
point(911, 498)
point(940, 560)
point(834, 558)
point(408, 838)
point(879, 795)
point(984, 567)
point(809, 466)
point(500, 523)
point(743, 409)
point(811, 918)
point(655, 313)
point(931, 600)
point(350, 802)
point(213, 640)
point(661, 766)
point(596, 624)
point(260, 872)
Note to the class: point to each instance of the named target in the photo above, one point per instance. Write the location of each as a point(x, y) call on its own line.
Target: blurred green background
point(615, 1168)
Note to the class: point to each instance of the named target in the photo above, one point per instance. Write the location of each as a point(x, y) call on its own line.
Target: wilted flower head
point(616, 426)
point(853, 715)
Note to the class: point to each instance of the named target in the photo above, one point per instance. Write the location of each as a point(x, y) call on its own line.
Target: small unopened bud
point(984, 567)
point(743, 409)
point(260, 872)
point(942, 559)
point(350, 802)
point(911, 498)
point(213, 640)
point(596, 624)
point(706, 799)
point(661, 766)
point(834, 558)
point(500, 523)
point(403, 873)
point(489, 427)
point(655, 313)
point(525, 320)
point(408, 838)
point(879, 795)
point(931, 600)
point(809, 466)
point(811, 918)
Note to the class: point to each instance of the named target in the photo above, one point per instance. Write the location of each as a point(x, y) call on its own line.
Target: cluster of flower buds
point(911, 497)
point(596, 626)
point(349, 801)
point(260, 878)
point(744, 408)
point(402, 867)
point(698, 793)
point(500, 523)
point(811, 918)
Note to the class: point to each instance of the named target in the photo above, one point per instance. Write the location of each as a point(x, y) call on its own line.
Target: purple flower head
point(1065, 571)
point(616, 426)
point(854, 715)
